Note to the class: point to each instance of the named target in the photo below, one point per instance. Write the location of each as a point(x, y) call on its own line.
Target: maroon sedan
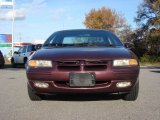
point(1, 59)
point(83, 61)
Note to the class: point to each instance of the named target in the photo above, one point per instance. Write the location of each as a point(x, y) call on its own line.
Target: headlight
point(39, 63)
point(125, 62)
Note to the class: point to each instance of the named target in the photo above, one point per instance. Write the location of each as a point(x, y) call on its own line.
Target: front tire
point(33, 96)
point(2, 66)
point(25, 62)
point(133, 94)
point(13, 63)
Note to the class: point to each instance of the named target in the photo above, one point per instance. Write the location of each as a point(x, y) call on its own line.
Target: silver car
point(21, 56)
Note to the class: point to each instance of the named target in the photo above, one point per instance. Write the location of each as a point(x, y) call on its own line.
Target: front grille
point(95, 67)
point(68, 68)
point(66, 83)
point(96, 62)
point(81, 65)
point(68, 65)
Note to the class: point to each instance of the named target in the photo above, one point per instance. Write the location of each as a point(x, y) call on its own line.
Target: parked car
point(21, 56)
point(1, 60)
point(83, 61)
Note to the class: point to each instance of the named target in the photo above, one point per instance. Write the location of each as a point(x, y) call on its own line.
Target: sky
point(36, 20)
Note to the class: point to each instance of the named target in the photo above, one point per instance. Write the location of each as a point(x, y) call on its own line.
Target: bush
point(149, 59)
point(145, 58)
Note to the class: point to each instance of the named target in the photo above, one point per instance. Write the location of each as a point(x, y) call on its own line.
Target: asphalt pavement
point(16, 105)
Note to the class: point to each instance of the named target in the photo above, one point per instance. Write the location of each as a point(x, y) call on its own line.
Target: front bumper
point(105, 80)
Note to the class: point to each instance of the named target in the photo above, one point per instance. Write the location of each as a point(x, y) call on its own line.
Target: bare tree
point(148, 18)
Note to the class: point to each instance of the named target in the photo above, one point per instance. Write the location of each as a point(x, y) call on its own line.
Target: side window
point(24, 49)
point(20, 50)
point(31, 48)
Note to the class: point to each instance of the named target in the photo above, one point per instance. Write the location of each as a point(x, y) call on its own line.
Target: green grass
point(149, 64)
point(148, 60)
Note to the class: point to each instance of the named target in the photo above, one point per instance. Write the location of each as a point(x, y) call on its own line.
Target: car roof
point(87, 30)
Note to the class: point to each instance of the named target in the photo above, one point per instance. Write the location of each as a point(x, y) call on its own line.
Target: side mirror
point(38, 46)
point(15, 52)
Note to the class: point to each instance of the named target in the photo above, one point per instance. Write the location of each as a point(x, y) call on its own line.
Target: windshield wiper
point(110, 45)
point(81, 44)
point(93, 44)
point(53, 45)
point(77, 45)
point(101, 44)
point(89, 44)
point(58, 45)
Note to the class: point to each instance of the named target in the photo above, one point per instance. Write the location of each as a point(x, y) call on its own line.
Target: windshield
point(82, 39)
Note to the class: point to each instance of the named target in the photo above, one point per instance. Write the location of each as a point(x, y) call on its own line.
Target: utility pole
point(13, 16)
point(20, 37)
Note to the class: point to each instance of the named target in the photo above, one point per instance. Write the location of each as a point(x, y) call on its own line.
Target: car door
point(19, 58)
point(22, 54)
point(16, 55)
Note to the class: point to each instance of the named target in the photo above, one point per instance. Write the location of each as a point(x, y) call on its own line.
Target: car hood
point(82, 53)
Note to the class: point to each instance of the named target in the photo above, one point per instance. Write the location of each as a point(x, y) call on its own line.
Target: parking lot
point(16, 105)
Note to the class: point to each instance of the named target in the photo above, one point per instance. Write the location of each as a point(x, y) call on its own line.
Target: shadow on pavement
point(9, 67)
point(82, 97)
point(155, 71)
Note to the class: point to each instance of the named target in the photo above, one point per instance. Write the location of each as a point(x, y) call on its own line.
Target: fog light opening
point(41, 85)
point(123, 84)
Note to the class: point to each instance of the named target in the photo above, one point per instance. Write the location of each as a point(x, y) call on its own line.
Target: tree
point(148, 14)
point(105, 18)
point(148, 18)
point(126, 34)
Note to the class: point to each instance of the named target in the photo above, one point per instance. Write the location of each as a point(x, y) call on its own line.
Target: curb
point(150, 67)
